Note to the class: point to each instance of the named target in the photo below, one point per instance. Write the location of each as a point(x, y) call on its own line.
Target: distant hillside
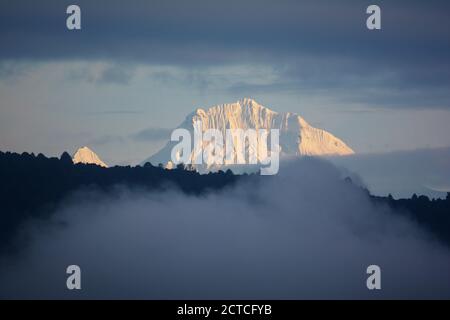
point(32, 186)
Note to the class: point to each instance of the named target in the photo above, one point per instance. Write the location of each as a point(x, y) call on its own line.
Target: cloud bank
point(401, 173)
point(302, 234)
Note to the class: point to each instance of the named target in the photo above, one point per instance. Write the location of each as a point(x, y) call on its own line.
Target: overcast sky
point(138, 68)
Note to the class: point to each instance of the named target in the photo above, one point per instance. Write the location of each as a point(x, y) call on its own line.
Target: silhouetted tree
point(66, 158)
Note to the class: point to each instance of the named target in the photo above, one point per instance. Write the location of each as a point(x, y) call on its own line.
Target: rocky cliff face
point(296, 136)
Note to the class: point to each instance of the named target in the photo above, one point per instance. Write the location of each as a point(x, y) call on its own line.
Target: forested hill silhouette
point(433, 215)
point(32, 186)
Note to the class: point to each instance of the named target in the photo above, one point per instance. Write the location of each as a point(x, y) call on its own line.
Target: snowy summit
point(87, 156)
point(297, 137)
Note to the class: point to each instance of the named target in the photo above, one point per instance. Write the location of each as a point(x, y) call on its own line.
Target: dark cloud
point(117, 29)
point(115, 75)
point(118, 74)
point(152, 134)
point(314, 44)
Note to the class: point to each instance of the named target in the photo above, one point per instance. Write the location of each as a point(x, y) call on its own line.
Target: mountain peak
point(243, 111)
point(248, 102)
point(87, 156)
point(297, 137)
point(85, 149)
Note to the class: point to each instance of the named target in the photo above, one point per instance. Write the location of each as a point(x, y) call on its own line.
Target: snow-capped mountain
point(87, 156)
point(296, 136)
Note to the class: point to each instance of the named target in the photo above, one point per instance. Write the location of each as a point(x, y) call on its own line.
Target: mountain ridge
point(297, 136)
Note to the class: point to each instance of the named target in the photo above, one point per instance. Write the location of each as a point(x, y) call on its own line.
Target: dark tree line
point(431, 214)
point(32, 186)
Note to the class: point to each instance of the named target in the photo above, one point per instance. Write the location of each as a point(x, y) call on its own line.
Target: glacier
point(296, 136)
